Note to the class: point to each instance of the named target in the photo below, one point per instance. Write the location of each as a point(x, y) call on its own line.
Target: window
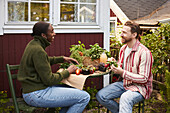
point(81, 11)
point(68, 11)
point(66, 16)
point(113, 25)
point(28, 10)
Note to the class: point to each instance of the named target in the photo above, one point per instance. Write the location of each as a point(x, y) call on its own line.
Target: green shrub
point(158, 44)
point(93, 102)
point(165, 91)
point(4, 107)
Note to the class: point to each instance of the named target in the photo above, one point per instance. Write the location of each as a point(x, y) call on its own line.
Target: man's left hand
point(68, 59)
point(117, 70)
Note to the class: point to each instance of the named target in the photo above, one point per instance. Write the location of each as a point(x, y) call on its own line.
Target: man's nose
point(54, 34)
point(121, 34)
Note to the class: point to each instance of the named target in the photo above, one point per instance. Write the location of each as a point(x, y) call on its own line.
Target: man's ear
point(43, 35)
point(134, 35)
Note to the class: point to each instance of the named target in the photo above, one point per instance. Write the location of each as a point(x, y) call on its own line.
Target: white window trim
point(29, 22)
point(77, 23)
point(2, 20)
point(114, 19)
point(98, 27)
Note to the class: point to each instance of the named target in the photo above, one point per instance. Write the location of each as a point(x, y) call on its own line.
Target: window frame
point(54, 12)
point(57, 14)
point(113, 20)
point(29, 11)
point(26, 27)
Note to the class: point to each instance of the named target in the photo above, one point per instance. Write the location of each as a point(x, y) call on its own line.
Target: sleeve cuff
point(59, 59)
point(123, 75)
point(65, 73)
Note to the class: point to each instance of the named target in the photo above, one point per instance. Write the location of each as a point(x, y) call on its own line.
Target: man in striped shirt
point(135, 63)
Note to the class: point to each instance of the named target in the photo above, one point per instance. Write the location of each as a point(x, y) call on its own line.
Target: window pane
point(69, 0)
point(89, 1)
point(39, 12)
point(87, 13)
point(17, 11)
point(112, 27)
point(68, 13)
point(39, 0)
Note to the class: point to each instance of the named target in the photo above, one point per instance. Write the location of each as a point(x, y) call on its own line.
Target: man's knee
point(100, 97)
point(125, 99)
point(86, 97)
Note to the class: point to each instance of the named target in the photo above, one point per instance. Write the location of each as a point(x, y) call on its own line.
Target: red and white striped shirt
point(137, 75)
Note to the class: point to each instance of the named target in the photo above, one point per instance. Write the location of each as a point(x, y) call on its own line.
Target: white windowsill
point(14, 29)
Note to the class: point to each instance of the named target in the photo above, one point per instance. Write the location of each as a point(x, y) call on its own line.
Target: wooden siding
point(12, 47)
point(112, 14)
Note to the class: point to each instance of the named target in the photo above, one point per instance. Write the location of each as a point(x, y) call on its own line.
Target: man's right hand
point(71, 69)
point(111, 59)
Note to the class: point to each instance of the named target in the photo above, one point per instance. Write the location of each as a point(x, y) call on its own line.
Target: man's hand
point(71, 69)
point(68, 59)
point(111, 59)
point(117, 70)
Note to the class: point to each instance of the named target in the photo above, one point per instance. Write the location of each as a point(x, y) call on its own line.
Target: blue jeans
point(71, 100)
point(128, 98)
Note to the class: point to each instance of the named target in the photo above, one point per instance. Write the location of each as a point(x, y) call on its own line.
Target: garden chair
point(19, 103)
point(139, 106)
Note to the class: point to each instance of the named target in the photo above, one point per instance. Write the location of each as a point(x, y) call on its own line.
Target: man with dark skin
point(40, 85)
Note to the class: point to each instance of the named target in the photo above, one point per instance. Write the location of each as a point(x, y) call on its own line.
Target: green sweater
point(35, 67)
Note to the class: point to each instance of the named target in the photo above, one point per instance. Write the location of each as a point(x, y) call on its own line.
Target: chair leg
point(139, 108)
point(107, 111)
point(143, 107)
point(98, 108)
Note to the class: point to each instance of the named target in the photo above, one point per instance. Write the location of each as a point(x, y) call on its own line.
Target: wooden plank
point(78, 38)
point(68, 38)
point(1, 52)
point(5, 46)
point(100, 37)
point(1, 63)
point(62, 45)
point(57, 44)
point(11, 49)
point(54, 50)
point(19, 48)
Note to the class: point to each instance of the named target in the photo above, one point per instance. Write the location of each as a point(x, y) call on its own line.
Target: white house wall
point(2, 16)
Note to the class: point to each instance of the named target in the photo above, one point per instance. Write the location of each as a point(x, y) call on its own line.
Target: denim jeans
point(71, 100)
point(128, 98)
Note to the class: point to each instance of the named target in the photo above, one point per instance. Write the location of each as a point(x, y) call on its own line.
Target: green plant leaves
point(3, 103)
point(93, 52)
point(158, 44)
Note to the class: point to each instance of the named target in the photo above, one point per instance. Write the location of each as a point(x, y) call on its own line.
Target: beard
point(125, 40)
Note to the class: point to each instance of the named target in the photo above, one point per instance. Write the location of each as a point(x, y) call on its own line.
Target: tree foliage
point(158, 44)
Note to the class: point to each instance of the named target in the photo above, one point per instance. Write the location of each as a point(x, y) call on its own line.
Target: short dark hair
point(39, 28)
point(134, 28)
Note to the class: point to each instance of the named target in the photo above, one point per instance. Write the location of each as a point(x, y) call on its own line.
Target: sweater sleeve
point(55, 60)
point(144, 69)
point(43, 69)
